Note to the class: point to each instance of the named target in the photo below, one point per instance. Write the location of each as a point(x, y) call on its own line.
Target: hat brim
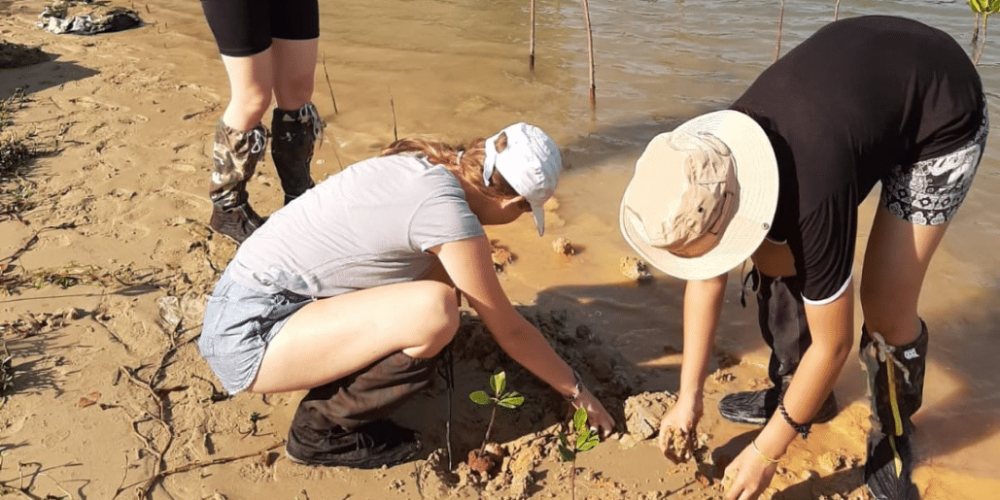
point(757, 174)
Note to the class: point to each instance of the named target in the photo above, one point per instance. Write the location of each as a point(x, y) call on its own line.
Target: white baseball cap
point(530, 163)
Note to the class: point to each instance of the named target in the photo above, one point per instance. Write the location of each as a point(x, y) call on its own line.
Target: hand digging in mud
point(678, 430)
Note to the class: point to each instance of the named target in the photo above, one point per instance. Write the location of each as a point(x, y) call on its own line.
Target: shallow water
point(460, 68)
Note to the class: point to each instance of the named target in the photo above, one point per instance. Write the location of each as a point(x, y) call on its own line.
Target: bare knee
point(894, 318)
point(294, 92)
point(247, 108)
point(437, 308)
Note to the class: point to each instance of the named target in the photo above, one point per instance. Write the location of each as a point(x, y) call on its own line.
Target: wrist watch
point(577, 389)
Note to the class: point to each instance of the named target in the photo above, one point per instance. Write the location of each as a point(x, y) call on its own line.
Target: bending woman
point(351, 291)
point(267, 48)
point(778, 178)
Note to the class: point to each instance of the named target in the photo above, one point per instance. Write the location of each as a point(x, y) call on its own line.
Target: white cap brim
point(757, 174)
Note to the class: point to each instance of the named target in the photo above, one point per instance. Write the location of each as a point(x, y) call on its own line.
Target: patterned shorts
point(929, 192)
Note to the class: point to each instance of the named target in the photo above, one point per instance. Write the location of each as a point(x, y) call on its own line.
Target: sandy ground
point(103, 281)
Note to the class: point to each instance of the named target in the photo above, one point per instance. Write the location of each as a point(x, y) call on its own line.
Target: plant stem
point(975, 32)
point(781, 21)
point(590, 52)
point(986, 20)
point(531, 50)
point(488, 429)
point(836, 10)
point(572, 479)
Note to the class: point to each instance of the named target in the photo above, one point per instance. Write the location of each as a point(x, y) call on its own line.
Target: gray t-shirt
point(368, 226)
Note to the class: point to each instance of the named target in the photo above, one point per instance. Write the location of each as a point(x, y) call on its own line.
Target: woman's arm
point(470, 267)
point(832, 328)
point(702, 307)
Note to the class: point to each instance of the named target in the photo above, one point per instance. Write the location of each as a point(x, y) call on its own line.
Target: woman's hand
point(748, 475)
point(684, 415)
point(597, 416)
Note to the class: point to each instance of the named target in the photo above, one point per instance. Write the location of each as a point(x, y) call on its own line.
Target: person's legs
point(893, 346)
point(918, 201)
point(362, 354)
point(242, 31)
point(295, 122)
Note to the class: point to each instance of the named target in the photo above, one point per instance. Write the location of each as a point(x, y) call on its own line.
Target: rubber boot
point(235, 156)
point(295, 135)
point(896, 385)
point(782, 318)
point(342, 423)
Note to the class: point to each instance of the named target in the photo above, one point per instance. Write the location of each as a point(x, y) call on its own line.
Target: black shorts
point(243, 28)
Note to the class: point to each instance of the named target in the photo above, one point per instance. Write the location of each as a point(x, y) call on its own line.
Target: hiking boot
point(888, 468)
point(236, 223)
point(295, 134)
point(234, 160)
point(756, 407)
point(895, 386)
point(373, 445)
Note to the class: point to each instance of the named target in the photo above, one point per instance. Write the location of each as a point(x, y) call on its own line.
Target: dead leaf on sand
point(89, 399)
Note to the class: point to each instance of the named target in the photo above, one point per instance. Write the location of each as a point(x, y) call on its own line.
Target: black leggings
point(243, 28)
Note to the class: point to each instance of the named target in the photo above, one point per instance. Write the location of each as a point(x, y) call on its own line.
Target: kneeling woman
point(350, 290)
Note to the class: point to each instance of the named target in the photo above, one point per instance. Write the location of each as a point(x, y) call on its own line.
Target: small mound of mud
point(563, 246)
point(680, 445)
point(15, 55)
point(636, 269)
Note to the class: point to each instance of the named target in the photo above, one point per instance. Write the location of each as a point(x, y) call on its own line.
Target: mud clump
point(501, 256)
point(635, 269)
point(644, 411)
point(563, 246)
point(680, 445)
point(486, 461)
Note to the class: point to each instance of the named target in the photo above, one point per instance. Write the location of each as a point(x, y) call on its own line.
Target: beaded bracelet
point(802, 429)
point(761, 454)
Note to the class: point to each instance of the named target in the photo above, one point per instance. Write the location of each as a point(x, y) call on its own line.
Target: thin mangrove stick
point(975, 31)
point(836, 10)
point(986, 20)
point(781, 21)
point(330, 86)
point(392, 106)
point(590, 54)
point(531, 50)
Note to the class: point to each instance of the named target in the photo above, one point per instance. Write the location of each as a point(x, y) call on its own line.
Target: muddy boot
point(342, 423)
point(235, 156)
point(783, 325)
point(896, 385)
point(295, 135)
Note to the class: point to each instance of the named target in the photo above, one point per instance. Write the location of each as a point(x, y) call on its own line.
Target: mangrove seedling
point(982, 8)
point(501, 398)
point(580, 440)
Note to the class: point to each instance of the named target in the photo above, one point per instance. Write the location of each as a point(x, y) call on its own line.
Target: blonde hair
point(464, 160)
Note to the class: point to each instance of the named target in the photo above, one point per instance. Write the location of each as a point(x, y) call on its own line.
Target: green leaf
point(588, 444)
point(498, 382)
point(979, 6)
point(566, 454)
point(580, 419)
point(480, 398)
point(562, 439)
point(582, 438)
point(994, 6)
point(511, 400)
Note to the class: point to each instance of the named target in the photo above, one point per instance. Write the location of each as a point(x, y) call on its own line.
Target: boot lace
point(309, 114)
point(258, 140)
point(886, 351)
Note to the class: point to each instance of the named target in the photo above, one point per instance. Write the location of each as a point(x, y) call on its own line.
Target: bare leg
point(335, 337)
point(251, 81)
point(895, 264)
point(294, 71)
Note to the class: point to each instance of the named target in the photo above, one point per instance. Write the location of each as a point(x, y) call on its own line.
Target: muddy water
point(460, 68)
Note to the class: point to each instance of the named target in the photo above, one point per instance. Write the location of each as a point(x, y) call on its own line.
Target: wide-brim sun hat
point(659, 184)
point(531, 164)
